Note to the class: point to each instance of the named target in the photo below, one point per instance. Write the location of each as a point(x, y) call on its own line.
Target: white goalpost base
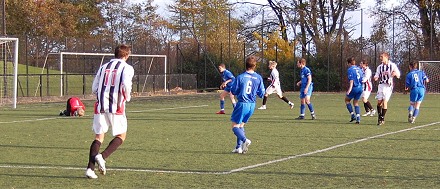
point(102, 55)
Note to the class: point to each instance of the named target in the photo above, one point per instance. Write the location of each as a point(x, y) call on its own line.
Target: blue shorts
point(355, 93)
point(309, 92)
point(417, 94)
point(227, 88)
point(242, 112)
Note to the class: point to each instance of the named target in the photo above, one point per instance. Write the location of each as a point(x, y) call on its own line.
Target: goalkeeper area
point(432, 70)
point(179, 142)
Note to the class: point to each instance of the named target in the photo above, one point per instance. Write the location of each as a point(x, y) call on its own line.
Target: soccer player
point(367, 87)
point(385, 73)
point(415, 81)
point(354, 90)
point(306, 90)
point(246, 87)
point(275, 86)
point(74, 107)
point(112, 86)
point(227, 78)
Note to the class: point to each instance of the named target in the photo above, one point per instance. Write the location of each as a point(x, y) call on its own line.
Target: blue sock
point(416, 112)
point(302, 109)
point(357, 110)
point(240, 135)
point(349, 108)
point(311, 107)
point(222, 104)
point(410, 108)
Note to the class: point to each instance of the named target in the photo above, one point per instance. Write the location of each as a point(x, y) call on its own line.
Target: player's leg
point(357, 109)
point(232, 97)
point(237, 119)
point(269, 91)
point(280, 95)
point(222, 102)
point(417, 102)
point(309, 103)
point(349, 107)
point(302, 107)
point(100, 127)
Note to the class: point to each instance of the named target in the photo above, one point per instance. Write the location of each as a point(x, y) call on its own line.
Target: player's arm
point(261, 91)
point(309, 81)
point(376, 75)
point(396, 72)
point(127, 85)
point(350, 87)
point(95, 85)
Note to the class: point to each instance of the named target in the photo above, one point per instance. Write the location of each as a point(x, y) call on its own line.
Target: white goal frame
point(15, 88)
point(433, 79)
point(61, 54)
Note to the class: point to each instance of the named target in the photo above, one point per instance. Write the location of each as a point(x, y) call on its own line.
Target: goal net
point(9, 70)
point(432, 70)
point(74, 72)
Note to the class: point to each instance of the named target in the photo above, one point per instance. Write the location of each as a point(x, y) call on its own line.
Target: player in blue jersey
point(415, 81)
point(227, 79)
point(354, 90)
point(306, 90)
point(246, 87)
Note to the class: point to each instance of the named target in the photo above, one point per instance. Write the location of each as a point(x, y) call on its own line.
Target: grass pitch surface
point(179, 142)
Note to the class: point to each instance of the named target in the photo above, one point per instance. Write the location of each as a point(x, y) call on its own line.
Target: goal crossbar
point(61, 54)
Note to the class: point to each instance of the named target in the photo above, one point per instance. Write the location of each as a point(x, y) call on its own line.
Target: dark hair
point(350, 61)
point(365, 62)
point(302, 61)
point(385, 54)
point(222, 65)
point(413, 64)
point(251, 62)
point(122, 51)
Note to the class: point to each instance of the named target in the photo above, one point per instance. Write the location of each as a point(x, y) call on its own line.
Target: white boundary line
point(175, 108)
point(30, 120)
point(51, 118)
point(234, 170)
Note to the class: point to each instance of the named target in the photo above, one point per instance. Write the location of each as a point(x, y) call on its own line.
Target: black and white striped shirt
point(384, 73)
point(112, 86)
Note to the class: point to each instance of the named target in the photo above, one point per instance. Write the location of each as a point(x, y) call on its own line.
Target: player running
point(415, 81)
point(227, 78)
point(275, 86)
point(247, 86)
point(306, 90)
point(112, 86)
point(385, 73)
point(367, 87)
point(354, 90)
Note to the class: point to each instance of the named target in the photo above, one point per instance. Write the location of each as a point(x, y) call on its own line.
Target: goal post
point(65, 58)
point(9, 55)
point(432, 70)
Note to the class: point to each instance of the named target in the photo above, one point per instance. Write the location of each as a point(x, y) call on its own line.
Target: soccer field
point(179, 142)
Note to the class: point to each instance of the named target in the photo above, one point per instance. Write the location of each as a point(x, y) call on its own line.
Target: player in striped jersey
point(385, 73)
point(275, 86)
point(367, 87)
point(246, 87)
point(306, 89)
point(227, 78)
point(112, 86)
point(415, 81)
point(354, 90)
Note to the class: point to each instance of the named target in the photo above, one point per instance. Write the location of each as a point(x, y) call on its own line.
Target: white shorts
point(102, 121)
point(366, 94)
point(276, 89)
point(384, 92)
